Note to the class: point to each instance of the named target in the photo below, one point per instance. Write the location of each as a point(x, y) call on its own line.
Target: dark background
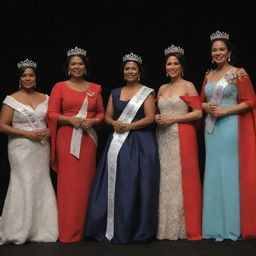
point(44, 30)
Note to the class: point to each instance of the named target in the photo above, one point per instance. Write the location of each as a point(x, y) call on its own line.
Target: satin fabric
point(137, 183)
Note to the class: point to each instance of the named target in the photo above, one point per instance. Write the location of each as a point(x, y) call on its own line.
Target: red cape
point(191, 182)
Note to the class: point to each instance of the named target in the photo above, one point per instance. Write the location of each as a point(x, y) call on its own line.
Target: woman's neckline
point(66, 84)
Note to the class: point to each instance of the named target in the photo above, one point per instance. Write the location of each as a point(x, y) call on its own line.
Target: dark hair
point(141, 69)
point(85, 60)
point(20, 71)
point(229, 46)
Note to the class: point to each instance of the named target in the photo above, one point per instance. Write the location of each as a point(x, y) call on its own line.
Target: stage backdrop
point(44, 30)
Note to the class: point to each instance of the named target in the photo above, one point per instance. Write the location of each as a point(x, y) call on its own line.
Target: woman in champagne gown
point(180, 185)
point(30, 211)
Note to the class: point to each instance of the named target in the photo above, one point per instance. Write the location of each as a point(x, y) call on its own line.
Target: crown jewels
point(218, 34)
point(76, 51)
point(27, 64)
point(132, 57)
point(173, 48)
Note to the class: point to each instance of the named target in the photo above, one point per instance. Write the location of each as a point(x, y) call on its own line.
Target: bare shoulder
point(190, 88)
point(188, 84)
point(162, 88)
point(15, 94)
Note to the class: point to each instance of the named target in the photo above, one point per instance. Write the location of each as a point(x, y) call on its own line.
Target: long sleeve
point(53, 114)
point(100, 108)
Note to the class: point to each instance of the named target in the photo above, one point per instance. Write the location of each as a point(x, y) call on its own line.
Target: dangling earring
point(229, 58)
point(138, 78)
point(167, 74)
point(68, 73)
point(212, 61)
point(19, 86)
point(182, 73)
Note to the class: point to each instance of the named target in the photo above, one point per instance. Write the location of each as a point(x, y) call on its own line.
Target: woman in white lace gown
point(29, 212)
point(180, 185)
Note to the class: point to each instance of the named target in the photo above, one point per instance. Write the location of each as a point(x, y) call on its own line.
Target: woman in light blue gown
point(227, 96)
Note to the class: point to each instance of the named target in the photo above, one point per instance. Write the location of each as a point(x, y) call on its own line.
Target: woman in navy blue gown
point(124, 198)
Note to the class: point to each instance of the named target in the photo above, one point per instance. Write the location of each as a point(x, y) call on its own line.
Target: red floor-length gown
point(75, 175)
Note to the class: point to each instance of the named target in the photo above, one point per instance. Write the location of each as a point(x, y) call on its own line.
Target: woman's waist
point(89, 114)
point(173, 112)
point(227, 103)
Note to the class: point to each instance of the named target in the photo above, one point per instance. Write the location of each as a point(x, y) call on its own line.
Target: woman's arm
point(6, 117)
point(193, 115)
point(54, 110)
point(109, 115)
point(149, 111)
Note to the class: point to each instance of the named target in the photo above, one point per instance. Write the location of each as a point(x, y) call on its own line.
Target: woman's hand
point(219, 112)
point(121, 127)
point(214, 110)
point(209, 107)
point(164, 120)
point(76, 121)
point(33, 135)
point(88, 123)
point(44, 134)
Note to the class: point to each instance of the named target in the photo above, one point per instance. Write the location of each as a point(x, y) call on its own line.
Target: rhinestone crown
point(173, 48)
point(76, 51)
point(27, 64)
point(132, 57)
point(218, 34)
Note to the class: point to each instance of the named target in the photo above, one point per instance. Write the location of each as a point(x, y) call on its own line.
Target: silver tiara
point(132, 57)
point(173, 48)
point(27, 64)
point(219, 35)
point(76, 51)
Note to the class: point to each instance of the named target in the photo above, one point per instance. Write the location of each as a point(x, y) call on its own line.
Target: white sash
point(23, 109)
point(118, 139)
point(218, 90)
point(78, 132)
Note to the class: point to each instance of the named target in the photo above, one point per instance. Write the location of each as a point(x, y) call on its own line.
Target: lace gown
point(179, 206)
point(30, 212)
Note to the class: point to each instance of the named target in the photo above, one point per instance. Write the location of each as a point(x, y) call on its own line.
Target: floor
point(156, 248)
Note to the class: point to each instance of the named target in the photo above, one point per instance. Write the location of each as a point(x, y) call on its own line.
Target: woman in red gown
point(75, 109)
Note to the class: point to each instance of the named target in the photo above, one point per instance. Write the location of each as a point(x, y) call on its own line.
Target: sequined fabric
point(171, 213)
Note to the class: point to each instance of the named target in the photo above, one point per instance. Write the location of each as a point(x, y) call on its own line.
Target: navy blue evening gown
point(137, 186)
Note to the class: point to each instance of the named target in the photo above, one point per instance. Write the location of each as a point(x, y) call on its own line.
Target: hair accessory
point(173, 48)
point(76, 51)
point(27, 64)
point(132, 57)
point(219, 35)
